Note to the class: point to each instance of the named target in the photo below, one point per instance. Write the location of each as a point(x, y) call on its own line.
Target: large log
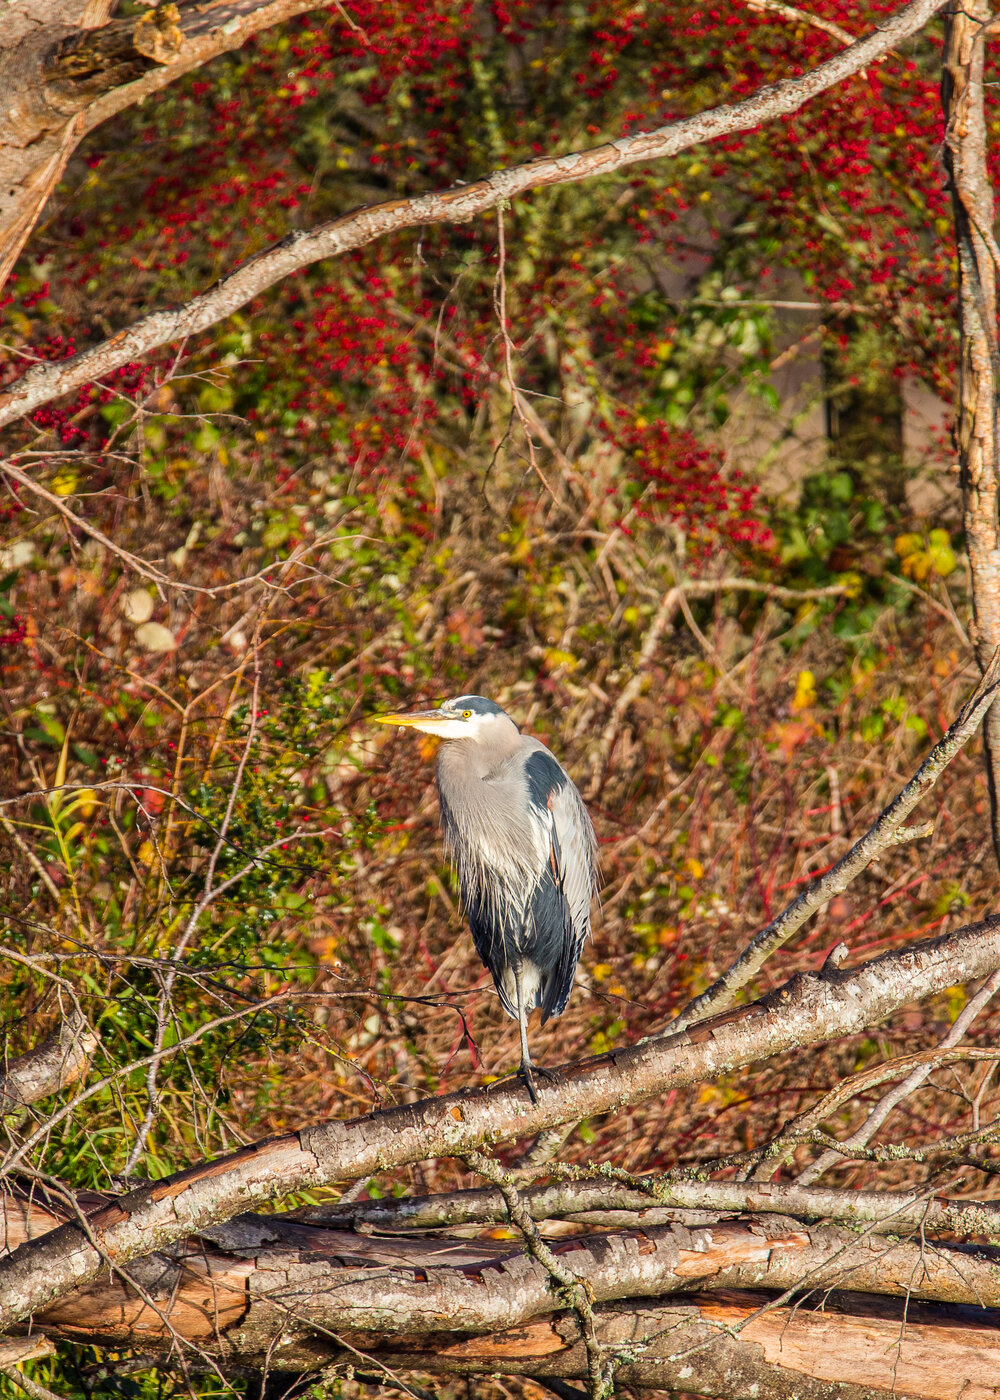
point(808, 1009)
point(293, 1296)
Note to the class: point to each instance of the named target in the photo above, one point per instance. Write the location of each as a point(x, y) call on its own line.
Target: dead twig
point(887, 831)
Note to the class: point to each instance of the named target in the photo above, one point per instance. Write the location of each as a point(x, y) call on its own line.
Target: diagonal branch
point(59, 1061)
point(888, 831)
point(47, 381)
point(809, 1009)
point(912, 1082)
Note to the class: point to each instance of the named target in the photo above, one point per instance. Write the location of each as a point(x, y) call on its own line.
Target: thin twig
point(914, 1080)
point(150, 571)
point(577, 1293)
point(887, 831)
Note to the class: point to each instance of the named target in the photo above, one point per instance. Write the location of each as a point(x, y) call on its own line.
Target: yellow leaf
point(917, 566)
point(64, 483)
point(805, 691)
point(942, 555)
point(600, 971)
point(695, 869)
point(907, 544)
point(853, 583)
point(555, 658)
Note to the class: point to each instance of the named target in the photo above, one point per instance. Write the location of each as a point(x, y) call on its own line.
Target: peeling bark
point(785, 1354)
point(806, 1010)
point(279, 1289)
point(965, 152)
point(290, 1281)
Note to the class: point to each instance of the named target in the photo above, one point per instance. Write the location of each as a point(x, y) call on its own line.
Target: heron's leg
point(522, 1021)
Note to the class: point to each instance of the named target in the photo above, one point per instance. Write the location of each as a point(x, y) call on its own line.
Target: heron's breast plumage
point(507, 815)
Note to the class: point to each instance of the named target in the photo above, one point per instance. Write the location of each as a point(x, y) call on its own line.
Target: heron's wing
point(558, 806)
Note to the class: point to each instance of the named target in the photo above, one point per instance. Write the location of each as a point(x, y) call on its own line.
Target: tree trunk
point(976, 433)
point(64, 69)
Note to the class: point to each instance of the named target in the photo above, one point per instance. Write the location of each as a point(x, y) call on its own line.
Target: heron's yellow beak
point(427, 721)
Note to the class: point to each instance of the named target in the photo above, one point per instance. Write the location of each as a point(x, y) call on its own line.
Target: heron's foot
point(528, 1071)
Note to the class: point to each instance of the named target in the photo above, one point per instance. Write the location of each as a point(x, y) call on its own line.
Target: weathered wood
point(287, 1291)
point(977, 434)
point(808, 1009)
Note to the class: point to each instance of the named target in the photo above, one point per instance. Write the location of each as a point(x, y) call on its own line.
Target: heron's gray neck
point(477, 758)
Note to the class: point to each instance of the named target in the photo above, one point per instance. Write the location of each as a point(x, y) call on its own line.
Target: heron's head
point(465, 717)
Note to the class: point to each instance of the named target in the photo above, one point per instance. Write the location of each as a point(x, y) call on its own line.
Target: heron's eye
point(466, 714)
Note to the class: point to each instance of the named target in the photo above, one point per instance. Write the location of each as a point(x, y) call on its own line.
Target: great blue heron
point(525, 850)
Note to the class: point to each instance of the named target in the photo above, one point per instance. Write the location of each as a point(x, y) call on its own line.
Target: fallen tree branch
point(656, 1200)
point(781, 1354)
point(47, 381)
point(808, 1009)
point(298, 1295)
point(312, 1280)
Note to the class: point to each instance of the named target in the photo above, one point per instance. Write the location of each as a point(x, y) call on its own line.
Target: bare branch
point(655, 1200)
point(885, 833)
point(978, 429)
point(264, 576)
point(59, 1061)
point(457, 204)
point(578, 1291)
point(797, 16)
point(913, 1081)
point(809, 1009)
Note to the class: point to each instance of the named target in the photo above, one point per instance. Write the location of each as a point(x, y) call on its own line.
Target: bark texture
point(785, 1354)
point(64, 69)
point(45, 382)
point(965, 151)
point(598, 1201)
point(55, 1064)
point(292, 1296)
point(808, 1009)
